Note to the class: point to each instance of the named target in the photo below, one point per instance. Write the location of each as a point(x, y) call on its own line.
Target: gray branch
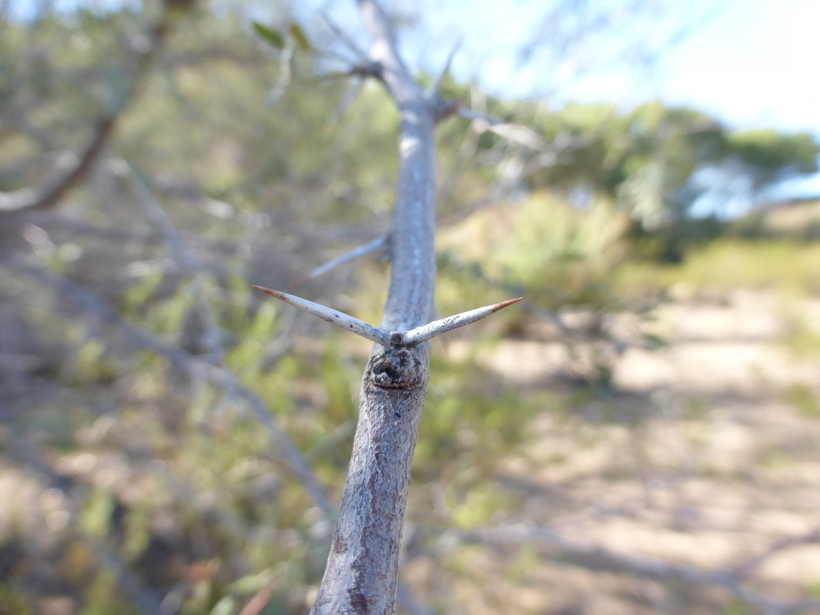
point(362, 567)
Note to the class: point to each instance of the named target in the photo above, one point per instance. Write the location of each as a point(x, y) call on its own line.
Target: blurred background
point(640, 435)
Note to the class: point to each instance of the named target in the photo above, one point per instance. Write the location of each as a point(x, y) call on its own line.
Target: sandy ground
point(704, 451)
point(699, 455)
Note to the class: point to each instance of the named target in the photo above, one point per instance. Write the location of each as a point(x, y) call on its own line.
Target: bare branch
point(55, 186)
point(373, 246)
point(640, 565)
point(188, 262)
point(362, 568)
point(89, 302)
point(155, 213)
point(52, 189)
point(340, 319)
point(747, 568)
point(361, 56)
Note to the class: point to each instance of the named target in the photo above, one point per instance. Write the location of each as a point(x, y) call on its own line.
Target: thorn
point(340, 319)
point(435, 91)
point(514, 132)
point(352, 92)
point(376, 244)
point(437, 327)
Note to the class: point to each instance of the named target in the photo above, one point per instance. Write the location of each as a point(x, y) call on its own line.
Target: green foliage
point(526, 561)
point(804, 400)
point(300, 37)
point(96, 517)
point(274, 37)
point(736, 607)
point(802, 338)
point(479, 506)
point(103, 597)
point(723, 266)
point(555, 253)
point(13, 601)
point(270, 188)
point(772, 155)
point(648, 158)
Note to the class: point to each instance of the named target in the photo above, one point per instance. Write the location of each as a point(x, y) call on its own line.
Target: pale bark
point(362, 568)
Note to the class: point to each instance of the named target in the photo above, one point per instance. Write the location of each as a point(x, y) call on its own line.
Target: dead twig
point(55, 186)
point(597, 557)
point(91, 303)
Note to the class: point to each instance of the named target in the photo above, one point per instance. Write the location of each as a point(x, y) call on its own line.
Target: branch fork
point(389, 339)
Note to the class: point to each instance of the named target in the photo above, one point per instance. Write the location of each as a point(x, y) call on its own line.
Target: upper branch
point(410, 298)
point(56, 185)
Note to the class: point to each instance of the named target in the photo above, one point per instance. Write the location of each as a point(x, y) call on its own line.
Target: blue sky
point(750, 63)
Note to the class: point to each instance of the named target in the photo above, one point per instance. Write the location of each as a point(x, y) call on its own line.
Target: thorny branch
point(91, 303)
point(362, 569)
point(96, 307)
point(78, 167)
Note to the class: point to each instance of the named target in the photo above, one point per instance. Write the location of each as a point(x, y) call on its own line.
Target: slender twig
point(351, 45)
point(374, 246)
point(187, 261)
point(157, 215)
point(90, 302)
point(350, 95)
point(600, 557)
point(54, 187)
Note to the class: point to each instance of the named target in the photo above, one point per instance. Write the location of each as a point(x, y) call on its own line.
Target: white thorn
point(437, 327)
point(345, 321)
point(435, 91)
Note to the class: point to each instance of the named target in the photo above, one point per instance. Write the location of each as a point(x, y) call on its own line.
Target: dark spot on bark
point(397, 415)
point(339, 545)
point(358, 601)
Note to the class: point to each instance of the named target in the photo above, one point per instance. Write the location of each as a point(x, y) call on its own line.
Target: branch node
point(442, 109)
point(396, 368)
